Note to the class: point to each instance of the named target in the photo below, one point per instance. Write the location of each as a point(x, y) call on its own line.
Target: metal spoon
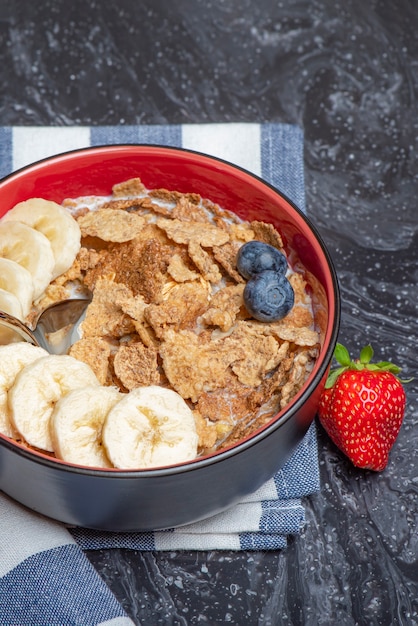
point(56, 327)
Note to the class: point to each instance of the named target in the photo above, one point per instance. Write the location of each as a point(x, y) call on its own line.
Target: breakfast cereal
point(167, 309)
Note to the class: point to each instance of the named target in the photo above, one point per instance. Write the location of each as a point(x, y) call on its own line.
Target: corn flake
point(204, 262)
point(131, 187)
point(188, 210)
point(178, 269)
point(207, 235)
point(226, 257)
point(104, 317)
point(111, 225)
point(224, 307)
point(267, 233)
point(94, 351)
point(181, 308)
point(136, 365)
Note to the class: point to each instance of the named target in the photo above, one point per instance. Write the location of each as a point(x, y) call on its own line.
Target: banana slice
point(30, 248)
point(150, 427)
point(9, 304)
point(36, 390)
point(76, 425)
point(16, 279)
point(13, 358)
point(58, 226)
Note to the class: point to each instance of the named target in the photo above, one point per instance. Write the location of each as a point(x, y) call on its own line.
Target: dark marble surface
point(347, 72)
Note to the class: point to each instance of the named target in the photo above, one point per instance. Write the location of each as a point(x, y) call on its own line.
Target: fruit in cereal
point(31, 249)
point(36, 390)
point(268, 296)
point(13, 359)
point(255, 257)
point(76, 425)
point(362, 408)
point(55, 223)
point(150, 427)
point(16, 279)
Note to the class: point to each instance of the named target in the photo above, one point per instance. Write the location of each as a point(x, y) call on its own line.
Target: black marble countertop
point(347, 73)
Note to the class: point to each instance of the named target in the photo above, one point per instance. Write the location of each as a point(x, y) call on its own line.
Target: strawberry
point(362, 408)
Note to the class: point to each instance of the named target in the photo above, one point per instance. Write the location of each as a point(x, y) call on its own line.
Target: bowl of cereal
point(198, 365)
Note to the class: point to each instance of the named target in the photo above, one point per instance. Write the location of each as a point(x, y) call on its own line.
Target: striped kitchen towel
point(44, 576)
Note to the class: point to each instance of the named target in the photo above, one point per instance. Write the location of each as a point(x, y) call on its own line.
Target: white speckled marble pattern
point(347, 73)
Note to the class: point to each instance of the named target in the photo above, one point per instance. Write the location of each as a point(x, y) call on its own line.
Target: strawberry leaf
point(332, 377)
point(373, 367)
point(366, 354)
point(388, 367)
point(342, 355)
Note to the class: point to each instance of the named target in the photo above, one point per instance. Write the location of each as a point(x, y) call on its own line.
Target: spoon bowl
point(56, 327)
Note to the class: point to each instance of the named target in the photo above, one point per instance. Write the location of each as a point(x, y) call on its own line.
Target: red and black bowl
point(139, 500)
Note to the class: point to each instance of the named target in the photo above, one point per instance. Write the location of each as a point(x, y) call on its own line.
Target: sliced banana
point(76, 425)
point(13, 358)
point(29, 248)
point(56, 224)
point(150, 427)
point(9, 304)
point(37, 389)
point(16, 279)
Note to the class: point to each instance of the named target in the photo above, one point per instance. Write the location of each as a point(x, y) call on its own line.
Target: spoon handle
point(15, 324)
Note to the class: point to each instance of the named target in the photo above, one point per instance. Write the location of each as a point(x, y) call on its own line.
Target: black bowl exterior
point(169, 497)
point(140, 501)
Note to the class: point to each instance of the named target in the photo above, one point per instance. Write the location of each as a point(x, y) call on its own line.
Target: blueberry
point(255, 257)
point(268, 296)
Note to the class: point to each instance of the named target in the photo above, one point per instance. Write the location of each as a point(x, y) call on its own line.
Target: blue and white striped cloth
point(45, 578)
